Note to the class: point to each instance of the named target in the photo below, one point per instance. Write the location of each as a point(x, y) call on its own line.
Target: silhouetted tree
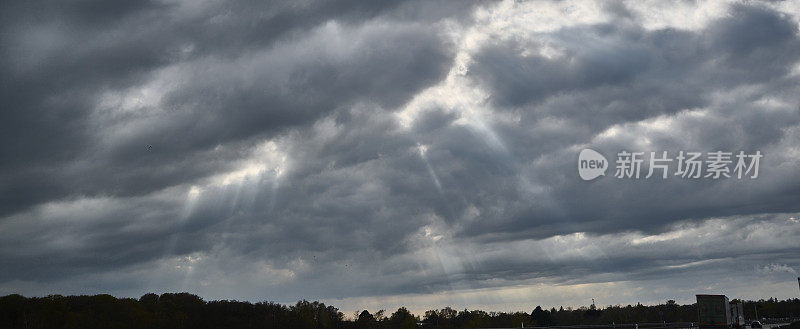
point(184, 310)
point(541, 317)
point(366, 321)
point(403, 319)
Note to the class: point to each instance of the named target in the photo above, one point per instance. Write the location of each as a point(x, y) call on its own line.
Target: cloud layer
point(378, 154)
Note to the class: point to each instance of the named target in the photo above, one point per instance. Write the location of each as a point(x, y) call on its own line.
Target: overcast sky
point(376, 154)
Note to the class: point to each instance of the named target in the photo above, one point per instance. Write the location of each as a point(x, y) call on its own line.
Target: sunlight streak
point(422, 150)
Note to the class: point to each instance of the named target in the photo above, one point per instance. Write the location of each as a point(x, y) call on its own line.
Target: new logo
point(591, 164)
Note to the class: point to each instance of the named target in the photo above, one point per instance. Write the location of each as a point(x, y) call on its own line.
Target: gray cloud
point(384, 149)
point(55, 79)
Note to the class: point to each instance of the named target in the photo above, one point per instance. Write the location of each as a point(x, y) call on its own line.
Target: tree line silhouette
point(184, 310)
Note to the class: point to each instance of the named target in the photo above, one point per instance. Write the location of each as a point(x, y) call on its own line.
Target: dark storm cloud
point(279, 167)
point(639, 74)
point(246, 72)
point(619, 73)
point(61, 58)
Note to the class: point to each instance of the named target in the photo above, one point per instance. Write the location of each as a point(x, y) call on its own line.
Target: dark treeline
point(184, 310)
